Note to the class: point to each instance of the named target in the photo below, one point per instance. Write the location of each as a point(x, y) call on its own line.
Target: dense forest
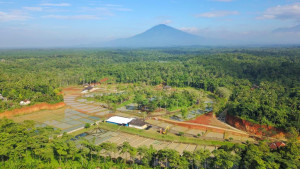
point(150, 99)
point(264, 83)
point(25, 146)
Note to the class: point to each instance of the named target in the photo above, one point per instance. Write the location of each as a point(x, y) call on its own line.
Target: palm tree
point(109, 148)
point(189, 157)
point(132, 153)
point(124, 149)
point(142, 151)
point(200, 157)
point(90, 146)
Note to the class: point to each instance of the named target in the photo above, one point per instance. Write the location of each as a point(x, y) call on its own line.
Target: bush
point(180, 133)
point(87, 125)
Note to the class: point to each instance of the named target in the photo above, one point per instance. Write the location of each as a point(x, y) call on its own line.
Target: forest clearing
point(186, 109)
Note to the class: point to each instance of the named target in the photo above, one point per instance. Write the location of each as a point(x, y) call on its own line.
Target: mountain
point(158, 36)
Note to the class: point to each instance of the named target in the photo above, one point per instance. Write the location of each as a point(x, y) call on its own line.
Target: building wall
point(116, 123)
point(138, 127)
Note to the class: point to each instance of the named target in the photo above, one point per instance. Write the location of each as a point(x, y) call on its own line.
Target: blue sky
point(50, 23)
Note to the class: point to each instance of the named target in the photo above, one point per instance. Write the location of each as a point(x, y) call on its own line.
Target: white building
point(25, 102)
point(123, 121)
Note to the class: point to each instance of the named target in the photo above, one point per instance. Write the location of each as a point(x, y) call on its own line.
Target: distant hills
point(158, 36)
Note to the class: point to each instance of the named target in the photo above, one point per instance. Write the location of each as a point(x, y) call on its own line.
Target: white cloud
point(283, 12)
point(33, 8)
point(73, 17)
point(215, 14)
point(14, 16)
point(192, 30)
point(60, 4)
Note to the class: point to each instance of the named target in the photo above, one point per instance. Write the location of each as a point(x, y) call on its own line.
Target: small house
point(276, 145)
point(132, 106)
point(122, 121)
point(152, 99)
point(25, 102)
point(87, 89)
point(3, 98)
point(86, 85)
point(137, 123)
point(167, 87)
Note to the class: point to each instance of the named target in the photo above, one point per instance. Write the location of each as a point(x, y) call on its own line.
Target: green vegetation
point(261, 85)
point(25, 146)
point(169, 137)
point(150, 99)
point(87, 125)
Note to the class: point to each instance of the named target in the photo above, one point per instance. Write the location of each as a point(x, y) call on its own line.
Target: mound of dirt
point(209, 119)
point(257, 129)
point(33, 108)
point(204, 127)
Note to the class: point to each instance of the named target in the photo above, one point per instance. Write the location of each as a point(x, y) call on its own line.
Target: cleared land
point(64, 119)
point(137, 141)
point(80, 111)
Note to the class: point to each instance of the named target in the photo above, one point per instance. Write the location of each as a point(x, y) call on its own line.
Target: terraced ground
point(84, 106)
point(80, 111)
point(203, 123)
point(137, 141)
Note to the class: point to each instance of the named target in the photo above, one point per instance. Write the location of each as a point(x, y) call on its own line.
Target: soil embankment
point(33, 108)
point(257, 129)
point(209, 119)
point(204, 127)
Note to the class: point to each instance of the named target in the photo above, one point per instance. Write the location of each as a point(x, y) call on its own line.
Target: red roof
point(104, 80)
point(277, 145)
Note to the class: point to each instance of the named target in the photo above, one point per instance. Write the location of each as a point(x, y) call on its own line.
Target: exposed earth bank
point(257, 129)
point(33, 108)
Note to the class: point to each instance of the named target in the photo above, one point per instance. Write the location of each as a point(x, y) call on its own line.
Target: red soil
point(203, 127)
point(257, 129)
point(159, 110)
point(203, 119)
point(209, 119)
point(33, 108)
point(70, 89)
point(103, 80)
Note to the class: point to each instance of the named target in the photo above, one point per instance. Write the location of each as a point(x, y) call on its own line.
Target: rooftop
point(137, 122)
point(88, 88)
point(119, 120)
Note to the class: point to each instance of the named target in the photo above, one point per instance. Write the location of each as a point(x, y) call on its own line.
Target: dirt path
point(208, 124)
point(205, 127)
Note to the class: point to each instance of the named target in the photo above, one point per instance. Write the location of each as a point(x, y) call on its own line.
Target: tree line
point(268, 77)
point(25, 146)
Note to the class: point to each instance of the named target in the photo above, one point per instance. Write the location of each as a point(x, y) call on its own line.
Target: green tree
point(223, 159)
